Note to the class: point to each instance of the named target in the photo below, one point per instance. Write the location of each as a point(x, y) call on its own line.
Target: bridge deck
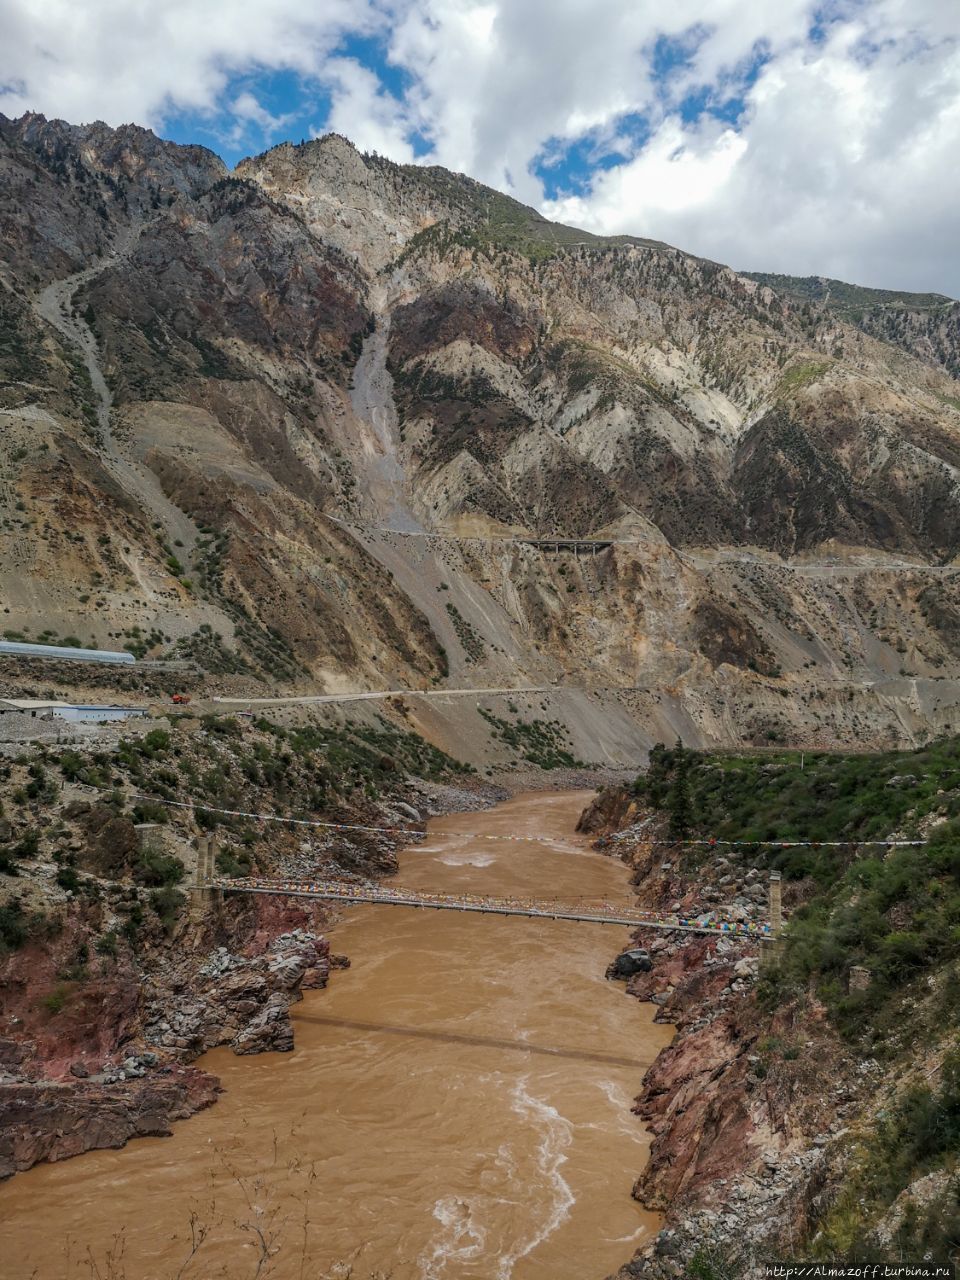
point(604, 913)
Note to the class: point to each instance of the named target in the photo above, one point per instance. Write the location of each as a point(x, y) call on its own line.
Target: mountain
point(321, 422)
point(925, 324)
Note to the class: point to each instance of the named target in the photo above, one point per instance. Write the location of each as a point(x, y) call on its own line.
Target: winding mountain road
point(54, 305)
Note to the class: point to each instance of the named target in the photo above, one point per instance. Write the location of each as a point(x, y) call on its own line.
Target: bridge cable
point(474, 835)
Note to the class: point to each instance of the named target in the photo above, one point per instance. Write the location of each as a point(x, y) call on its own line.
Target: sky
point(774, 135)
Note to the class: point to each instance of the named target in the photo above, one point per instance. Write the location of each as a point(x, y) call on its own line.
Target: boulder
point(636, 960)
point(407, 810)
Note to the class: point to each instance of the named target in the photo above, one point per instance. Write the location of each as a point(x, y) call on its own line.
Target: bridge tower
point(202, 893)
point(771, 947)
point(776, 905)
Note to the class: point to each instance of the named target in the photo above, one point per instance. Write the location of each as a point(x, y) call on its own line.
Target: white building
point(38, 709)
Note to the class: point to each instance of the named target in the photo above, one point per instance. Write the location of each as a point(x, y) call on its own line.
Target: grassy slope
point(490, 217)
point(299, 772)
point(846, 299)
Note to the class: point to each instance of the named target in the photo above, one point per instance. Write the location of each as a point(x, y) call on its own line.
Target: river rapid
point(457, 1105)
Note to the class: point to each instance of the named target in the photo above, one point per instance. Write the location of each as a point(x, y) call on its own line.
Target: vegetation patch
point(802, 375)
point(467, 634)
point(544, 743)
point(893, 909)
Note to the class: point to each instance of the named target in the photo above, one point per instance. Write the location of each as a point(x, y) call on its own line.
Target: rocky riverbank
point(112, 980)
point(113, 1062)
point(747, 1102)
point(54, 1119)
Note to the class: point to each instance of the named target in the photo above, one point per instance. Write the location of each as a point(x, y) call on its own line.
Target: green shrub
point(67, 878)
point(154, 742)
point(27, 846)
point(149, 811)
point(13, 926)
point(224, 726)
point(106, 944)
point(234, 865)
point(158, 870)
point(54, 1001)
point(133, 923)
point(71, 765)
point(167, 903)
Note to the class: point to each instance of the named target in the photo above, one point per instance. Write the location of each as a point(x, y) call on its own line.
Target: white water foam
point(468, 859)
point(614, 1093)
point(557, 1134)
point(461, 1240)
point(622, 1103)
point(632, 1238)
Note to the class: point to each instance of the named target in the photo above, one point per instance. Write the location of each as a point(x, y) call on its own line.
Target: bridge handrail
point(337, 891)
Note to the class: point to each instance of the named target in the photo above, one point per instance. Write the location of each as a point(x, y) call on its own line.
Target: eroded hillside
point(318, 425)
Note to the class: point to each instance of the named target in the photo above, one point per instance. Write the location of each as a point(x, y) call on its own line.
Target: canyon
point(457, 1103)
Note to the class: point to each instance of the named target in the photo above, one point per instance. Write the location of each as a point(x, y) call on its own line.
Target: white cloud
point(363, 112)
point(251, 117)
point(842, 161)
point(137, 60)
point(843, 166)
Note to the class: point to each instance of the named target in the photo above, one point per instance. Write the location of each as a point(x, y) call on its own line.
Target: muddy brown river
point(457, 1105)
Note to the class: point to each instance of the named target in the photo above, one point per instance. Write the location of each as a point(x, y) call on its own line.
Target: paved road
point(697, 558)
point(381, 693)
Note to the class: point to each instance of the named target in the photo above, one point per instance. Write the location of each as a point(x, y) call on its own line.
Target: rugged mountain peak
point(133, 162)
point(373, 208)
point(195, 373)
point(349, 200)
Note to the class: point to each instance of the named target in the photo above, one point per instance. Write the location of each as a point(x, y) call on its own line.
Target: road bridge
point(694, 557)
point(578, 546)
point(585, 912)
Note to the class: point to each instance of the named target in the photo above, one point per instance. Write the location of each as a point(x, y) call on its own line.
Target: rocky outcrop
point(61, 1094)
point(612, 810)
point(52, 1120)
point(236, 1000)
point(97, 1036)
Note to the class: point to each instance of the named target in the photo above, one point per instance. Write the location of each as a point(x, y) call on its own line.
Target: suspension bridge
point(586, 911)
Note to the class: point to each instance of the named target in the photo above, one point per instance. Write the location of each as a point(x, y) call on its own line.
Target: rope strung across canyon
point(712, 843)
point(475, 835)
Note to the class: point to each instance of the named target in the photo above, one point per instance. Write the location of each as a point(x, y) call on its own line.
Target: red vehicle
point(181, 699)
